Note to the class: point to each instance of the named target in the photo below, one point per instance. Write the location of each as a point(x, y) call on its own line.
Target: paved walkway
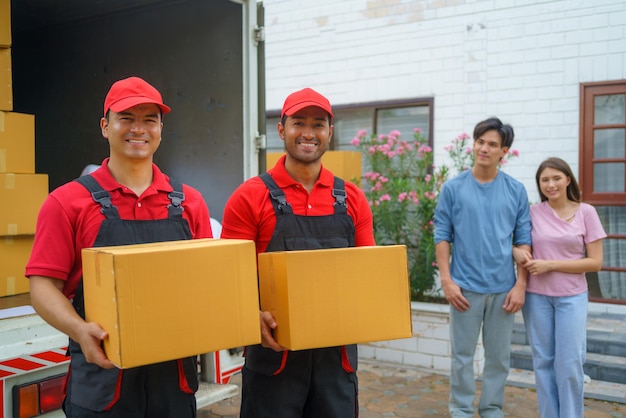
point(388, 390)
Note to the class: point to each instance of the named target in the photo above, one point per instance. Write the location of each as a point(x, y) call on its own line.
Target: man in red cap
point(128, 200)
point(299, 205)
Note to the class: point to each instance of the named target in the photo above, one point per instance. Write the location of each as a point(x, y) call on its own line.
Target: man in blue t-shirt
point(481, 214)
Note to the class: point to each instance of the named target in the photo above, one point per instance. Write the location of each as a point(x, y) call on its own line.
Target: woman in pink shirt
point(566, 243)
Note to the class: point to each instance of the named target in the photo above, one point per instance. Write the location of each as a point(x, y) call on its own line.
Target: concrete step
point(594, 389)
point(606, 334)
point(600, 367)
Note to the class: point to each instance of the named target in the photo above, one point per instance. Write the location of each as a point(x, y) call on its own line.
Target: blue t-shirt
point(482, 222)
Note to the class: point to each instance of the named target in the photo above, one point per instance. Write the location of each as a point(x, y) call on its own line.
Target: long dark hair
point(573, 191)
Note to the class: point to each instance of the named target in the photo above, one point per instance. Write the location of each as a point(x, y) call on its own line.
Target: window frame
point(588, 91)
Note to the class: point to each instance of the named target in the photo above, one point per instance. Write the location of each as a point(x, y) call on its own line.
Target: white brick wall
point(519, 60)
point(430, 345)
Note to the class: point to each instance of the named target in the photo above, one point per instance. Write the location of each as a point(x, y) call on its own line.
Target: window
point(603, 179)
point(375, 117)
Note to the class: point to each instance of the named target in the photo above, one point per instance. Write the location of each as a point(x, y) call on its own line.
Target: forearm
point(52, 305)
point(592, 262)
point(582, 265)
point(442, 253)
point(522, 273)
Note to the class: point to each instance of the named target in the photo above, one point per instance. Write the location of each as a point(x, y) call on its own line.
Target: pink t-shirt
point(557, 239)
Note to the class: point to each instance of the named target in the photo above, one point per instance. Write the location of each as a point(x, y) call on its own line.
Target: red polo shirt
point(69, 221)
point(249, 213)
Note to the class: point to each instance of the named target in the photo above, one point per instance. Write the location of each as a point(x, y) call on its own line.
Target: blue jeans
point(557, 331)
point(485, 313)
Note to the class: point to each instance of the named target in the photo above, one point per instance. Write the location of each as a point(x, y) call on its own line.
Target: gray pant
point(485, 313)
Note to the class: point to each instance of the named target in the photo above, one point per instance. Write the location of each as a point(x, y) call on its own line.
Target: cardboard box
point(5, 23)
point(325, 298)
point(22, 196)
point(6, 80)
point(17, 143)
point(168, 300)
point(14, 254)
point(343, 164)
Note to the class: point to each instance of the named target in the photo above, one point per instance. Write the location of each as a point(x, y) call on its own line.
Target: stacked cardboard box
point(343, 164)
point(21, 190)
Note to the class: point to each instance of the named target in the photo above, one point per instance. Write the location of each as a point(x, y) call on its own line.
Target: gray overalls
point(162, 390)
point(307, 383)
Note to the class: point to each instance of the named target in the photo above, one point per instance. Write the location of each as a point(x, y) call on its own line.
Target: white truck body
point(32, 350)
point(206, 57)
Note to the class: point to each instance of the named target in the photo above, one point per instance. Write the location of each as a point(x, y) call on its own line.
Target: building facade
point(554, 69)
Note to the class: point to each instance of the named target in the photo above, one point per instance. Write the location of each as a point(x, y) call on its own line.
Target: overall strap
point(103, 198)
point(279, 201)
point(100, 196)
point(175, 209)
point(339, 193)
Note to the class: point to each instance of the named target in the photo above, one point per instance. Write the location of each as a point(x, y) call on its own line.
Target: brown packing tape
point(9, 181)
point(3, 159)
point(10, 285)
point(6, 80)
point(5, 23)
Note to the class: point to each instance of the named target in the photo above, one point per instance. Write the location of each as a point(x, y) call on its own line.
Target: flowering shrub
point(402, 185)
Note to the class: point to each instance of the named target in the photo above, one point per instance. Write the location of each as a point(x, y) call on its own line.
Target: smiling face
point(133, 134)
point(553, 184)
point(307, 134)
point(488, 150)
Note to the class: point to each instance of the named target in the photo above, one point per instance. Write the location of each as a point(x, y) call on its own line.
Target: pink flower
point(402, 196)
point(356, 142)
point(417, 130)
point(385, 197)
point(371, 175)
point(395, 133)
point(515, 153)
point(362, 132)
point(468, 150)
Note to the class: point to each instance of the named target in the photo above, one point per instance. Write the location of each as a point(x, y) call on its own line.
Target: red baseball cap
point(305, 98)
point(130, 92)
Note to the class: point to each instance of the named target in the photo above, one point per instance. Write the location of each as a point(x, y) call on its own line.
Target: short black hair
point(494, 124)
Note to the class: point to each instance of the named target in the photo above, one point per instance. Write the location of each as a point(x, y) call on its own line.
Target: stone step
point(594, 389)
point(602, 367)
point(606, 334)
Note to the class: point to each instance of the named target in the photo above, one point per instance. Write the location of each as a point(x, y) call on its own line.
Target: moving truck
point(206, 58)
